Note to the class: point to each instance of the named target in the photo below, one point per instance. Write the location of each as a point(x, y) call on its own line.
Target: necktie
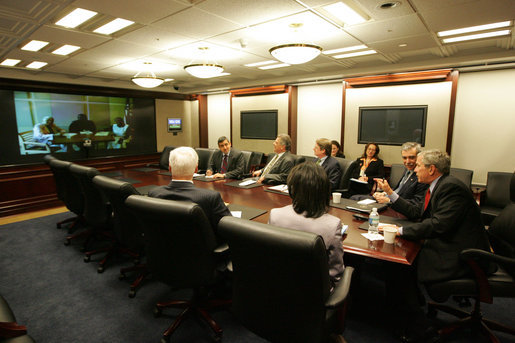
point(318, 162)
point(224, 165)
point(426, 199)
point(404, 179)
point(269, 165)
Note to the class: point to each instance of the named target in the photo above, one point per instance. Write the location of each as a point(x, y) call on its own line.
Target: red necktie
point(426, 199)
point(224, 165)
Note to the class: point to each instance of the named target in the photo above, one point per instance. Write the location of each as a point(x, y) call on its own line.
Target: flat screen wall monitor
point(261, 124)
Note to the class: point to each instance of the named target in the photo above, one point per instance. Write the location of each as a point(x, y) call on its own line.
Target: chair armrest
point(482, 255)
point(152, 165)
point(12, 329)
point(341, 289)
point(221, 249)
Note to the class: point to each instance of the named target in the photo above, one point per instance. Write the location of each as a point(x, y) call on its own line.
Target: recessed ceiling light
point(403, 45)
point(113, 26)
point(36, 65)
point(274, 66)
point(345, 13)
point(260, 63)
point(354, 54)
point(76, 17)
point(476, 36)
point(66, 49)
point(34, 45)
point(389, 5)
point(350, 48)
point(474, 28)
point(9, 62)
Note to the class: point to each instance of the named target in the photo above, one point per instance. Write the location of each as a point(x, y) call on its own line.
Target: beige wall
point(258, 102)
point(435, 95)
point(188, 111)
point(219, 113)
point(484, 127)
point(319, 115)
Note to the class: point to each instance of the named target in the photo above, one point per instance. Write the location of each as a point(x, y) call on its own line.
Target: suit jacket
point(279, 172)
point(327, 226)
point(450, 224)
point(210, 201)
point(333, 170)
point(411, 197)
point(235, 164)
point(374, 170)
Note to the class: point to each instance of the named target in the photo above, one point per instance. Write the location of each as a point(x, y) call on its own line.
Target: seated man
point(121, 134)
point(183, 163)
point(44, 132)
point(227, 162)
point(277, 170)
point(408, 187)
point(324, 159)
point(82, 124)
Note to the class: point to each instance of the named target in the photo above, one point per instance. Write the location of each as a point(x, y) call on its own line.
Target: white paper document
point(344, 229)
point(280, 188)
point(236, 214)
point(195, 174)
point(366, 201)
point(373, 236)
point(358, 181)
point(246, 183)
point(102, 133)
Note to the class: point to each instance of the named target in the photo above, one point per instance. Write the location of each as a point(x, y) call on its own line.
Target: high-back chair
point(464, 175)
point(483, 287)
point(181, 252)
point(10, 330)
point(496, 195)
point(396, 172)
point(347, 167)
point(204, 155)
point(281, 286)
point(127, 230)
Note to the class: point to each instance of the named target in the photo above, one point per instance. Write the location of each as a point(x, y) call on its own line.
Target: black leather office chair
point(97, 213)
point(181, 251)
point(255, 161)
point(396, 172)
point(246, 157)
point(127, 230)
point(496, 196)
point(163, 159)
point(347, 167)
point(67, 190)
point(482, 287)
point(281, 285)
point(204, 155)
point(464, 175)
point(10, 330)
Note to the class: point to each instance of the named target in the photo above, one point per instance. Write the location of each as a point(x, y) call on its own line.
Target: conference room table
point(402, 251)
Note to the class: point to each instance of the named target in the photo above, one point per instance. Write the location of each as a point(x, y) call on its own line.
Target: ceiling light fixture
point(206, 69)
point(10, 62)
point(474, 29)
point(113, 26)
point(350, 48)
point(66, 50)
point(36, 65)
point(274, 66)
point(295, 53)
point(476, 36)
point(149, 79)
point(76, 17)
point(34, 45)
point(344, 13)
point(354, 54)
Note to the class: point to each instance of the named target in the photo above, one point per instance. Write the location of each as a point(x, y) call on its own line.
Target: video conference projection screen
point(74, 126)
point(258, 124)
point(392, 125)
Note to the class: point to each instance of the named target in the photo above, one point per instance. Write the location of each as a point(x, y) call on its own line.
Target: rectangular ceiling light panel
point(34, 45)
point(76, 17)
point(114, 26)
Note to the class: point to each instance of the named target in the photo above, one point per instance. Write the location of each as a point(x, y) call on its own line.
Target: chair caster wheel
point(157, 312)
point(87, 259)
point(67, 242)
point(132, 293)
point(100, 270)
point(121, 276)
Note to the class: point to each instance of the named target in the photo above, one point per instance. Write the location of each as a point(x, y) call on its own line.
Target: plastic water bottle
point(373, 221)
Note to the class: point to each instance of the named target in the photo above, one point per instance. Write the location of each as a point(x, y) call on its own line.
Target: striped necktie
point(270, 165)
point(223, 169)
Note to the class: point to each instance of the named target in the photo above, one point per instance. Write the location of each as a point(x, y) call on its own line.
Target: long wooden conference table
point(402, 251)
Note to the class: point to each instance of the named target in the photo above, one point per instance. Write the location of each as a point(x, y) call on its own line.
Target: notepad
point(280, 188)
point(246, 183)
point(366, 202)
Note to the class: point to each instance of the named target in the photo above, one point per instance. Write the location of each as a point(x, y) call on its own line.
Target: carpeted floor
point(62, 299)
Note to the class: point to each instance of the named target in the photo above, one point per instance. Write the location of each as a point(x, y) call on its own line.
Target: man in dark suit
point(226, 163)
point(277, 170)
point(324, 159)
point(183, 164)
point(450, 222)
point(408, 188)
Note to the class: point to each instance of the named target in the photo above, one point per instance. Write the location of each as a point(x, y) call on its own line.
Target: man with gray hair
point(451, 223)
point(408, 187)
point(183, 163)
point(276, 171)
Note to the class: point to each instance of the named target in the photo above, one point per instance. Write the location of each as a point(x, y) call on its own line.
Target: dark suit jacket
point(235, 164)
point(210, 201)
point(280, 170)
point(411, 197)
point(450, 224)
point(374, 170)
point(333, 170)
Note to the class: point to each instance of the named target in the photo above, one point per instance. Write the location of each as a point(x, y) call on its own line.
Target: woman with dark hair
point(309, 189)
point(369, 166)
point(336, 150)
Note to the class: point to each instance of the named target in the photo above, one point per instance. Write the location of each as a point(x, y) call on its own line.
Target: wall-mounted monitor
point(392, 125)
point(174, 124)
point(258, 124)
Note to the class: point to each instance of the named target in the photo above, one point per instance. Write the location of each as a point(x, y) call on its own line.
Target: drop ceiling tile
point(372, 7)
point(156, 38)
point(412, 43)
point(61, 36)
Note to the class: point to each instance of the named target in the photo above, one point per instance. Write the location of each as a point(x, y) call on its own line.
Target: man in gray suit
point(183, 164)
point(277, 170)
point(408, 187)
point(227, 162)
